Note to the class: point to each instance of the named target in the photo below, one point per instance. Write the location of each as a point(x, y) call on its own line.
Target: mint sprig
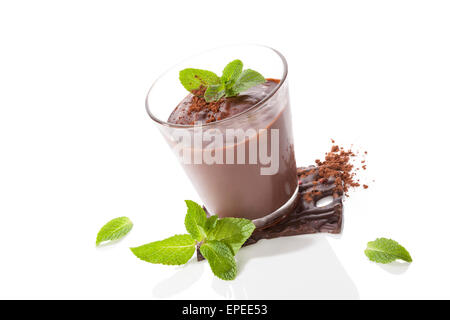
point(114, 230)
point(233, 81)
point(219, 241)
point(384, 251)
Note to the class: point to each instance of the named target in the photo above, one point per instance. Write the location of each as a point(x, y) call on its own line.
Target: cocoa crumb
point(316, 193)
point(337, 167)
point(199, 104)
point(308, 197)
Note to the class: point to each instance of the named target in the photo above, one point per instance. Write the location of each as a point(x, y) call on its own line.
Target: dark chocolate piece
point(306, 217)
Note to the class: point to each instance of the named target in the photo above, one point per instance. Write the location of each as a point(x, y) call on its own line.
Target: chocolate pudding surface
point(193, 109)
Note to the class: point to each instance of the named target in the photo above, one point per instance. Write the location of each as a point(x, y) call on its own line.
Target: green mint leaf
point(384, 250)
point(114, 230)
point(232, 82)
point(232, 231)
point(193, 79)
point(175, 250)
point(232, 71)
point(195, 220)
point(214, 92)
point(248, 78)
point(211, 223)
point(220, 259)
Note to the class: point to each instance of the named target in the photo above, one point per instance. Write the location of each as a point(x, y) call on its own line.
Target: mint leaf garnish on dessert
point(219, 241)
point(247, 79)
point(233, 81)
point(231, 72)
point(214, 92)
point(384, 251)
point(193, 79)
point(114, 230)
point(230, 75)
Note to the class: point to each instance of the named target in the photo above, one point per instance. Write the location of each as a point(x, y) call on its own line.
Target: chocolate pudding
point(229, 187)
point(194, 109)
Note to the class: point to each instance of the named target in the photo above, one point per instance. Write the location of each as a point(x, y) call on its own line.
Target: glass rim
point(215, 123)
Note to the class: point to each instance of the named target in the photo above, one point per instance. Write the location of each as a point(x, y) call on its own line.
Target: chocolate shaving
point(306, 217)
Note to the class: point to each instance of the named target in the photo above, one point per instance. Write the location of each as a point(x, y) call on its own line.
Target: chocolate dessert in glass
point(232, 133)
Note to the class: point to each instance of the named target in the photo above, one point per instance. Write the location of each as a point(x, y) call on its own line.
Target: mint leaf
point(229, 76)
point(195, 220)
point(220, 259)
point(175, 250)
point(247, 79)
point(193, 79)
point(114, 230)
point(232, 71)
point(232, 231)
point(384, 250)
point(214, 92)
point(232, 82)
point(211, 223)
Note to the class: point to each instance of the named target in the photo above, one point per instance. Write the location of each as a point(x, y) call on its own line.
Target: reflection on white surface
point(395, 267)
point(301, 267)
point(180, 281)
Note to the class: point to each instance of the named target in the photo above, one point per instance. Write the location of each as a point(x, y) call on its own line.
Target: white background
point(77, 147)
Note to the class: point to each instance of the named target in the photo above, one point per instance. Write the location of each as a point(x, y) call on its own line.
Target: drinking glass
point(211, 153)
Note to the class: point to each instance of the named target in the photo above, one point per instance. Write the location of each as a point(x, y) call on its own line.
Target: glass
point(244, 165)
